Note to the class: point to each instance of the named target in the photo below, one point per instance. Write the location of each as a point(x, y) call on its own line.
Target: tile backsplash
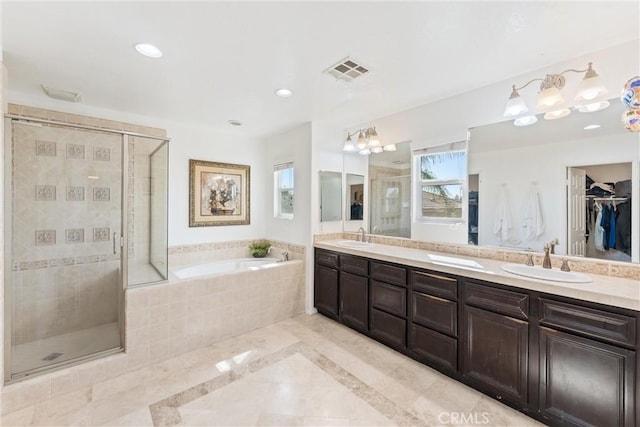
point(585, 265)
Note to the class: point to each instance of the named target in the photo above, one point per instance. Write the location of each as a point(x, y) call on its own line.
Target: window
point(283, 191)
point(440, 181)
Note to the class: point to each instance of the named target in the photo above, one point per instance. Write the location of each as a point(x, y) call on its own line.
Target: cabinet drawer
point(355, 265)
point(390, 298)
point(433, 346)
point(434, 284)
point(611, 327)
point(389, 329)
point(388, 273)
point(328, 259)
point(501, 301)
point(434, 312)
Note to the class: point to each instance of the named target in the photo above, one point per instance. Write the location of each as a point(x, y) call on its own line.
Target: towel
point(502, 218)
point(532, 220)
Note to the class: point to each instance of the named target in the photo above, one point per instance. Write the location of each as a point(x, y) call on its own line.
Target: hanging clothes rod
point(613, 199)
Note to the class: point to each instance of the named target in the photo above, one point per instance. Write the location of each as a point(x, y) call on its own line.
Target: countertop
point(613, 291)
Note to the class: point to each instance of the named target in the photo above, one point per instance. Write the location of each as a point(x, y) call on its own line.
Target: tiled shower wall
point(66, 205)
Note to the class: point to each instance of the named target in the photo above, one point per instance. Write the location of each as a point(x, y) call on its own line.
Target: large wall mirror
point(355, 197)
point(330, 196)
point(390, 192)
point(571, 179)
point(570, 171)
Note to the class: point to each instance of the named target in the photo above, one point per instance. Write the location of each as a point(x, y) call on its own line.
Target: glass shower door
point(66, 289)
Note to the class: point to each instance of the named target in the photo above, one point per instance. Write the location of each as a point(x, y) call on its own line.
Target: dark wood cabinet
point(585, 382)
point(495, 352)
point(354, 301)
point(326, 290)
point(560, 360)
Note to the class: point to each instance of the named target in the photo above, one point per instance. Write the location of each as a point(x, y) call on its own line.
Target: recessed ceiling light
point(149, 50)
point(284, 93)
point(235, 122)
point(591, 127)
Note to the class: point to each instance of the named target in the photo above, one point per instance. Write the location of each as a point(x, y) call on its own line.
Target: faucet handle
point(565, 265)
point(530, 260)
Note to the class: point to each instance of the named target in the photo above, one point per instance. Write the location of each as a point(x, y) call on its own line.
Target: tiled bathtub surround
point(169, 319)
point(592, 266)
point(207, 252)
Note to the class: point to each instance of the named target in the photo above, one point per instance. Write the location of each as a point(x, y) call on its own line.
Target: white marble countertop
point(613, 291)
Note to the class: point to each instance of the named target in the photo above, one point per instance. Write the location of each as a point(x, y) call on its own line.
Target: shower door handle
point(114, 242)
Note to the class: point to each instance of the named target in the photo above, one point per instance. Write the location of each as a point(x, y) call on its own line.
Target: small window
point(283, 191)
point(440, 182)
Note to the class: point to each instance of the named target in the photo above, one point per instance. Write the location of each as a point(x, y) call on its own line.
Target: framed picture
point(218, 194)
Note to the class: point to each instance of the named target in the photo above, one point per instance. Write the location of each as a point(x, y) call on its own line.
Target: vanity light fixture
point(550, 99)
point(149, 50)
point(367, 142)
point(525, 120)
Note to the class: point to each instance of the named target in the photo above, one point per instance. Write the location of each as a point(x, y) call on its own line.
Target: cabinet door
point(326, 290)
point(495, 353)
point(354, 301)
point(585, 382)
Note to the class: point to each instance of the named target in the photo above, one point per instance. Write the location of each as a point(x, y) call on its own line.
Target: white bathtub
point(225, 266)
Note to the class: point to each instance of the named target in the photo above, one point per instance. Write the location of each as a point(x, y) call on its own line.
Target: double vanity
point(558, 346)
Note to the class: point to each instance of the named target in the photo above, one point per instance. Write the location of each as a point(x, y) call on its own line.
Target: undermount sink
point(546, 274)
point(352, 244)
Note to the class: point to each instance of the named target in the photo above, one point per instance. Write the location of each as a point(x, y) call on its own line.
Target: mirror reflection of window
point(441, 181)
point(283, 178)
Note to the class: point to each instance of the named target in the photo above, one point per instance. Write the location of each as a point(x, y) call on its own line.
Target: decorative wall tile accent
point(45, 192)
point(45, 237)
point(75, 151)
point(101, 194)
point(74, 235)
point(75, 194)
point(102, 154)
point(45, 148)
point(101, 234)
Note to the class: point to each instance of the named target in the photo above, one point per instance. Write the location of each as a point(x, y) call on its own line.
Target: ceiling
point(224, 60)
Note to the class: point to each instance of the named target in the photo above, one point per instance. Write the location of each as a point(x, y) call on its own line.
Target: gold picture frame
point(218, 194)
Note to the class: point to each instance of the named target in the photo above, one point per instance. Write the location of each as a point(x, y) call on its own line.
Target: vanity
point(562, 353)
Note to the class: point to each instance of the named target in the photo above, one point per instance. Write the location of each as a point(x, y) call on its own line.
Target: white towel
point(502, 218)
point(532, 220)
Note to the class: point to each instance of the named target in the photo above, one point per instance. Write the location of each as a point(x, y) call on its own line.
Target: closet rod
point(613, 199)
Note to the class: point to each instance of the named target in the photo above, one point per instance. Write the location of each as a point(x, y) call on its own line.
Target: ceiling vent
point(347, 70)
point(62, 95)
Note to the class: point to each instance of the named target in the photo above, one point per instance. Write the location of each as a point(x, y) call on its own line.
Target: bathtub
point(224, 267)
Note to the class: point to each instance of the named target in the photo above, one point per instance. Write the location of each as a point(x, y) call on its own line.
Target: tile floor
point(304, 371)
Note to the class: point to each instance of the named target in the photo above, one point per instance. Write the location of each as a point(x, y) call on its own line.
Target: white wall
point(447, 120)
point(292, 146)
point(188, 142)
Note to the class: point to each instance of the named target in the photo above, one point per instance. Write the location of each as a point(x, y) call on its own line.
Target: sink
point(352, 244)
point(546, 274)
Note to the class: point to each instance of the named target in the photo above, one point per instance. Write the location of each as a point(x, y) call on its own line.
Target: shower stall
point(85, 218)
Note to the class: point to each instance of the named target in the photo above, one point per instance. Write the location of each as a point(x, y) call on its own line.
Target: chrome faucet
point(362, 233)
point(552, 245)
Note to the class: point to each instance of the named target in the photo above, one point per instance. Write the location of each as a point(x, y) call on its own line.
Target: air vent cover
point(347, 70)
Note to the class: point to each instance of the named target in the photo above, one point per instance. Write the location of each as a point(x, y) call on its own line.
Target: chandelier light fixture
point(589, 97)
point(367, 142)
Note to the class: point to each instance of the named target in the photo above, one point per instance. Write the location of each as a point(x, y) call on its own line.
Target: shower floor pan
point(65, 347)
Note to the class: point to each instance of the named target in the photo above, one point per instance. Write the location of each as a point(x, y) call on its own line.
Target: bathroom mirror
point(522, 161)
point(354, 197)
point(527, 169)
point(390, 192)
point(330, 196)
